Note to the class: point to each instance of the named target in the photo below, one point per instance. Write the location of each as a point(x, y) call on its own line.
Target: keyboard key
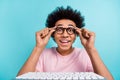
point(60, 76)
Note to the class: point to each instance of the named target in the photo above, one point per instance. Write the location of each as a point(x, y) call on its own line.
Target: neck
point(64, 52)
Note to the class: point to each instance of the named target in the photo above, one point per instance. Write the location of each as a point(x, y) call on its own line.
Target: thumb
point(81, 36)
point(51, 30)
point(79, 32)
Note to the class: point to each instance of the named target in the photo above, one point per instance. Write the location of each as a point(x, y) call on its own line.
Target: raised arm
point(87, 39)
point(42, 38)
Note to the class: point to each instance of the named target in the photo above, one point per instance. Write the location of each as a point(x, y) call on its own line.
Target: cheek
point(56, 37)
point(73, 38)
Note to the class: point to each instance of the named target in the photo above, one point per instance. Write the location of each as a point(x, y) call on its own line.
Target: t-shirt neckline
point(58, 54)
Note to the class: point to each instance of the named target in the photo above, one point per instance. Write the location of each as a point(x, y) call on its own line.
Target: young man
point(64, 25)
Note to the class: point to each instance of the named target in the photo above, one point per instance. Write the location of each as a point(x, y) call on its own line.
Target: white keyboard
point(60, 76)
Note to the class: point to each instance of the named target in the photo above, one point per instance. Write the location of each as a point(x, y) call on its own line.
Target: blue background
point(20, 19)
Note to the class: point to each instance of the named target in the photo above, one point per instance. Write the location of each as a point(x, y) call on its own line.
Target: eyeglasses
point(70, 30)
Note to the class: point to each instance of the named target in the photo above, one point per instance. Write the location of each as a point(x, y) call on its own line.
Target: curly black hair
point(65, 13)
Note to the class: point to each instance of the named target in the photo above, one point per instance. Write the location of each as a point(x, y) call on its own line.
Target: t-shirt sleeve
point(89, 67)
point(89, 63)
point(39, 66)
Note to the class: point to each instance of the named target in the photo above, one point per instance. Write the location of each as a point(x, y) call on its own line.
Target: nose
point(65, 34)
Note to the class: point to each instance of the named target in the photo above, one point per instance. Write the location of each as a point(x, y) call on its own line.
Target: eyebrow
point(70, 25)
point(62, 25)
point(59, 25)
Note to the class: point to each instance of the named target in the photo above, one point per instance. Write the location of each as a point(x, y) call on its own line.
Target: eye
point(70, 30)
point(59, 29)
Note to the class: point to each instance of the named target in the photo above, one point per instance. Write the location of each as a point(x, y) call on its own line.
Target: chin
point(65, 47)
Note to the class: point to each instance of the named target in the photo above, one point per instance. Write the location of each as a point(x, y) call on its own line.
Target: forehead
point(65, 22)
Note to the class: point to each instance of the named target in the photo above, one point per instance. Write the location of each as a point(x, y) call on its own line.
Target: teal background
point(20, 19)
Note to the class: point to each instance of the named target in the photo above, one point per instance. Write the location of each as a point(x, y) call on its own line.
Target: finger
point(43, 33)
point(81, 36)
point(78, 30)
point(92, 35)
point(38, 36)
point(46, 31)
point(85, 33)
point(51, 30)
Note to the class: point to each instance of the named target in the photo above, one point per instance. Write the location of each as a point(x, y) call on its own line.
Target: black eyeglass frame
point(67, 30)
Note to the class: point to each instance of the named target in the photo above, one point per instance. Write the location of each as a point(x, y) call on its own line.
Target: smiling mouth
point(64, 42)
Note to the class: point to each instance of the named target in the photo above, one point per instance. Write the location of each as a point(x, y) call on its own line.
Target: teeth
point(64, 41)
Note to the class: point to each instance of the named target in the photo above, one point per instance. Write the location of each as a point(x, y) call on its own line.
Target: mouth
point(64, 42)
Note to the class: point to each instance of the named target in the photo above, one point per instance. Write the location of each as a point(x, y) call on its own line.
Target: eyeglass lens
point(70, 30)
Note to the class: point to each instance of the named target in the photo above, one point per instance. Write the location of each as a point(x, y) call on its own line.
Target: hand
point(43, 36)
point(87, 38)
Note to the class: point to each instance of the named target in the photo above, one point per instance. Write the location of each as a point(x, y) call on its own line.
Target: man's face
point(65, 33)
